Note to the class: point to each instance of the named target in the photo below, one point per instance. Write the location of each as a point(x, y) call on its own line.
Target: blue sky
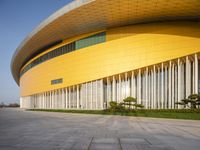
point(17, 19)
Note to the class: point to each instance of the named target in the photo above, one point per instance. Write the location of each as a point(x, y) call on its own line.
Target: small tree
point(194, 100)
point(138, 106)
point(113, 105)
point(121, 107)
point(129, 101)
point(191, 102)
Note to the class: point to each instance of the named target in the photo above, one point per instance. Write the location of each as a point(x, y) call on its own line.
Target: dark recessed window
point(56, 81)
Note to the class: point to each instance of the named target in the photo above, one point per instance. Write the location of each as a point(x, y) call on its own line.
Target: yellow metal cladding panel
point(146, 45)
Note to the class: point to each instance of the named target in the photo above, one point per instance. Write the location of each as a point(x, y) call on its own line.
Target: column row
point(157, 86)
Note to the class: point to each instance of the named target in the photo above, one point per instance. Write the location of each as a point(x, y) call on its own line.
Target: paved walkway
point(26, 130)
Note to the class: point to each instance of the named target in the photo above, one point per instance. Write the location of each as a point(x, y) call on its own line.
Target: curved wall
point(126, 48)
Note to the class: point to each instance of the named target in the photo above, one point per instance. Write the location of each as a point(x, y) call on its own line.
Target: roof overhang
point(83, 16)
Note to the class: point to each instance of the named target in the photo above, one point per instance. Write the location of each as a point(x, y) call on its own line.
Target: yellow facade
point(126, 48)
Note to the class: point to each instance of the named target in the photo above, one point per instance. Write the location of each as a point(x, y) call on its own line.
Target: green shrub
point(192, 101)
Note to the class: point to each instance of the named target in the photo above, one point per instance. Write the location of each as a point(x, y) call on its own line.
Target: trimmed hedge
point(193, 114)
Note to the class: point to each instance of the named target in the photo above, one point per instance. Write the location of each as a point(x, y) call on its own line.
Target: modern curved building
point(91, 52)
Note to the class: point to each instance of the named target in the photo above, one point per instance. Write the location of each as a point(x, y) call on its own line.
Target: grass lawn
point(192, 114)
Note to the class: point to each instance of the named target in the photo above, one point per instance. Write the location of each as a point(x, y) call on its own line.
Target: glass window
point(56, 81)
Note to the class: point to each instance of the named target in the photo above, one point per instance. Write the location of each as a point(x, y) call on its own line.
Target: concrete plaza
point(20, 129)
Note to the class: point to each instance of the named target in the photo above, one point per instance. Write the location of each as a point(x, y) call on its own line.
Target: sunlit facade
point(89, 53)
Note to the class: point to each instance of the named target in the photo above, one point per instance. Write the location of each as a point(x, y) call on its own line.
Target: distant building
point(91, 52)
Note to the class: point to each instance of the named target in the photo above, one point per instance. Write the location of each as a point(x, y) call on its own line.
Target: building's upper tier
point(84, 16)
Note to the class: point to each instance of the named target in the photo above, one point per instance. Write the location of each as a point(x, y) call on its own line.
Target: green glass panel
point(91, 40)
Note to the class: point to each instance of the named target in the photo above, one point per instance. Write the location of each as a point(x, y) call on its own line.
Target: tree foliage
point(192, 101)
point(129, 102)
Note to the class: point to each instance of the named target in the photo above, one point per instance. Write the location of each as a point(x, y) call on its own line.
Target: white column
point(193, 77)
point(77, 97)
point(169, 85)
point(139, 87)
point(66, 98)
point(179, 80)
point(165, 91)
point(188, 77)
point(101, 88)
point(152, 93)
point(81, 96)
point(74, 102)
point(120, 89)
point(154, 87)
point(56, 99)
point(86, 96)
point(46, 100)
point(42, 101)
point(91, 95)
point(132, 84)
point(176, 84)
point(69, 97)
point(108, 92)
point(114, 89)
point(59, 99)
point(38, 98)
point(159, 89)
point(146, 88)
point(96, 97)
point(173, 87)
point(52, 99)
point(63, 95)
point(126, 85)
point(162, 86)
point(196, 73)
point(49, 99)
point(43, 96)
point(21, 102)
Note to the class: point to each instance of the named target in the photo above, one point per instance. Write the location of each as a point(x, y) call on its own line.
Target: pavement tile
point(133, 141)
point(105, 140)
point(128, 147)
point(103, 146)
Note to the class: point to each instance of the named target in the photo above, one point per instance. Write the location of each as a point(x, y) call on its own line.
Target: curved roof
point(83, 16)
